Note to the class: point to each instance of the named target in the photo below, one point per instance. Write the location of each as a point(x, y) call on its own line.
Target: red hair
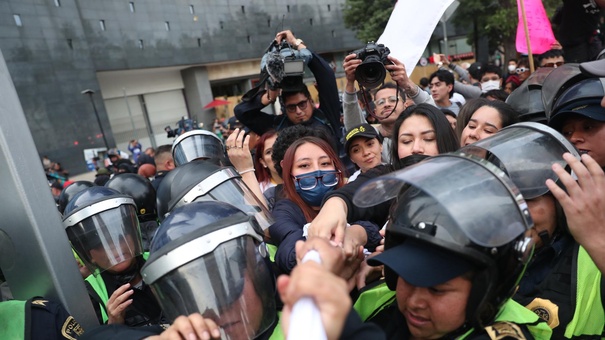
point(288, 162)
point(262, 174)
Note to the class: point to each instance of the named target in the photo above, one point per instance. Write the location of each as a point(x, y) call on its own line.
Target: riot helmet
point(103, 229)
point(140, 189)
point(525, 152)
point(527, 98)
point(582, 98)
point(209, 257)
point(200, 180)
point(197, 144)
point(70, 191)
point(455, 216)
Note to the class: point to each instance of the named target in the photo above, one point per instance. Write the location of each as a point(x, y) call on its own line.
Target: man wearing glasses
point(297, 105)
point(551, 58)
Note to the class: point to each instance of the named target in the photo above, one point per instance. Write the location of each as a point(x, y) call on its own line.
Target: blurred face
point(299, 108)
point(509, 87)
point(385, 101)
point(484, 123)
point(366, 152)
point(417, 136)
point(490, 76)
point(433, 312)
point(123, 255)
point(587, 135)
point(523, 72)
point(265, 159)
point(542, 210)
point(552, 62)
point(440, 90)
point(452, 121)
point(310, 157)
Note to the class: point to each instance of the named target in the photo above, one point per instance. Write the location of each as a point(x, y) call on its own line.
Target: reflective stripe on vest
point(12, 319)
point(589, 317)
point(373, 300)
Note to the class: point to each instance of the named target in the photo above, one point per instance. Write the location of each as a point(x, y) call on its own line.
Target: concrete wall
point(58, 51)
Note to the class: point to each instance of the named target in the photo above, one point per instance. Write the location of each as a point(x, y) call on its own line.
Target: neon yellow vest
point(12, 319)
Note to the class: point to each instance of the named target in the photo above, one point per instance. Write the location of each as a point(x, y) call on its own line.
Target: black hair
point(286, 94)
point(424, 81)
point(500, 95)
point(550, 54)
point(448, 112)
point(512, 59)
point(391, 85)
point(508, 115)
point(491, 68)
point(467, 110)
point(446, 139)
point(445, 76)
point(287, 136)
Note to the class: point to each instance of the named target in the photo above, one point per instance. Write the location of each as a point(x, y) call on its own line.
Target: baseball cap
point(590, 108)
point(422, 264)
point(362, 130)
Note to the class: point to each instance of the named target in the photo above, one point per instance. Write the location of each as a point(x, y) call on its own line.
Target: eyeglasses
point(301, 105)
point(520, 70)
point(307, 182)
point(391, 99)
point(555, 65)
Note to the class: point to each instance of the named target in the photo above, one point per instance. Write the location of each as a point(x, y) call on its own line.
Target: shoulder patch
point(546, 310)
point(39, 302)
point(71, 329)
point(505, 330)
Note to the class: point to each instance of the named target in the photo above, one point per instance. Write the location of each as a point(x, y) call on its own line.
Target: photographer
point(296, 103)
point(352, 111)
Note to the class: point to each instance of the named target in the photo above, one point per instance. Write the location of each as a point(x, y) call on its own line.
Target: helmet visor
point(469, 199)
point(196, 146)
point(526, 152)
point(231, 285)
point(556, 82)
point(226, 186)
point(109, 240)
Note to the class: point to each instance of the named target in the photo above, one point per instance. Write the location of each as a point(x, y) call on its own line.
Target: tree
point(496, 20)
point(368, 18)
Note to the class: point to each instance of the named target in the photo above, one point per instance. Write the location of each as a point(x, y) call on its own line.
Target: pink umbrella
point(215, 103)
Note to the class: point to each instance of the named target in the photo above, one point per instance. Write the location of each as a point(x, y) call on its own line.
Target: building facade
point(95, 72)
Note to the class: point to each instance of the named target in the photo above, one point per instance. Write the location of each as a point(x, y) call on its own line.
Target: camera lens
point(370, 73)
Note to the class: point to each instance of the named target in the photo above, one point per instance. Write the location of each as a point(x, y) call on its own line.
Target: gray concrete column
point(197, 94)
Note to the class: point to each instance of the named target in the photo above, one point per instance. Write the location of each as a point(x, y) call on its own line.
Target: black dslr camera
point(371, 72)
point(284, 68)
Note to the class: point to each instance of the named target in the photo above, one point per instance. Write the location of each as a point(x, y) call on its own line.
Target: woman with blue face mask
point(311, 169)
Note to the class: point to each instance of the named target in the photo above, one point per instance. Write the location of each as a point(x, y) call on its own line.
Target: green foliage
point(367, 18)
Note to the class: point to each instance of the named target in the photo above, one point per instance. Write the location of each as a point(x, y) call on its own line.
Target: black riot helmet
point(525, 152)
point(458, 216)
point(140, 189)
point(208, 257)
point(201, 180)
point(527, 98)
point(70, 191)
point(103, 229)
point(580, 99)
point(198, 144)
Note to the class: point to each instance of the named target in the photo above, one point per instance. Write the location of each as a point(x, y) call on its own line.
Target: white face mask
point(490, 85)
point(512, 68)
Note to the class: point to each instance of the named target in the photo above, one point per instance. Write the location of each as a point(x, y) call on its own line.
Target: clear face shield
point(526, 153)
point(556, 82)
point(220, 274)
point(226, 186)
point(106, 235)
point(453, 200)
point(527, 98)
point(197, 144)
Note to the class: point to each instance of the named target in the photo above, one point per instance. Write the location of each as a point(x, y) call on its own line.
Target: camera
point(182, 126)
point(285, 67)
point(371, 72)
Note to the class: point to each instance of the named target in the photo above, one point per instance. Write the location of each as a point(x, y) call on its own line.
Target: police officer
point(70, 191)
point(143, 193)
point(102, 227)
point(198, 144)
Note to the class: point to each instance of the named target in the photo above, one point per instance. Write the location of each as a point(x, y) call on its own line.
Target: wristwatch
point(297, 43)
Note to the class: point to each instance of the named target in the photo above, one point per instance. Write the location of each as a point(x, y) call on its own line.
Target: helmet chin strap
point(130, 273)
point(545, 237)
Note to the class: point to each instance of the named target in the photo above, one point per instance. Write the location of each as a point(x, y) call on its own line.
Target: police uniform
point(37, 318)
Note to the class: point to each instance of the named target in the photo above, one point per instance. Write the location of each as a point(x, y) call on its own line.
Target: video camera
point(371, 72)
point(284, 65)
point(183, 125)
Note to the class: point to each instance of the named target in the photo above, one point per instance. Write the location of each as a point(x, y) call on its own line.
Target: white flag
point(410, 28)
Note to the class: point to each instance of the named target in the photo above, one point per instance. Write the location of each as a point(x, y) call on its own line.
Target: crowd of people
point(472, 208)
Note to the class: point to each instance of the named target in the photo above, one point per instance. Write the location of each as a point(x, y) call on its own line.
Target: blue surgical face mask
point(313, 186)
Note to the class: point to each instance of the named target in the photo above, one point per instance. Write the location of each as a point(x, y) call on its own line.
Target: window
point(268, 22)
point(102, 24)
point(191, 9)
point(70, 43)
point(248, 39)
point(167, 26)
point(311, 21)
point(288, 8)
point(131, 6)
point(221, 23)
point(244, 9)
point(58, 3)
point(18, 20)
point(329, 8)
point(141, 44)
point(199, 42)
point(333, 34)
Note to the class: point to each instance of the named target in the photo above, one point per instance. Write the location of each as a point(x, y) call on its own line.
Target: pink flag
point(538, 25)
